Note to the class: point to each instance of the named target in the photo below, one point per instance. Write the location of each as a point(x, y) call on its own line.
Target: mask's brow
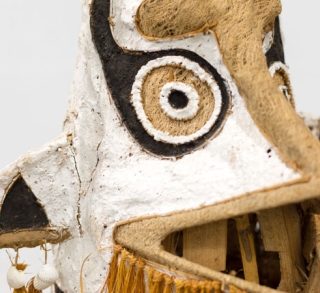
point(165, 18)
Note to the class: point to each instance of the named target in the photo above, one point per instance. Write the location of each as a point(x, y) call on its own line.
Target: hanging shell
point(46, 277)
point(16, 278)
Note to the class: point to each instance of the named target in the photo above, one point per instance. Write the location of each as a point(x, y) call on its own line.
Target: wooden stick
point(248, 252)
point(281, 232)
point(313, 283)
point(169, 243)
point(207, 245)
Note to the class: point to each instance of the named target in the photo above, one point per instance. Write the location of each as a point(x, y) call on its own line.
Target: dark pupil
point(178, 99)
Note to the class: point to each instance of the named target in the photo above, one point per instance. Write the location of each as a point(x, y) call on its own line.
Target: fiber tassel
point(208, 287)
point(121, 274)
point(139, 285)
point(128, 282)
point(202, 287)
point(31, 288)
point(157, 284)
point(150, 273)
point(20, 290)
point(179, 285)
point(195, 286)
point(187, 287)
point(216, 286)
point(167, 284)
point(113, 270)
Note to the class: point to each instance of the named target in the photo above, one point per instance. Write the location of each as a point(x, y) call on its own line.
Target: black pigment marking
point(178, 99)
point(276, 53)
point(120, 68)
point(21, 209)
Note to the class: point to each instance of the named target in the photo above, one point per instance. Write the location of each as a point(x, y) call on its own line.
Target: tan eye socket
point(166, 18)
point(279, 73)
point(176, 100)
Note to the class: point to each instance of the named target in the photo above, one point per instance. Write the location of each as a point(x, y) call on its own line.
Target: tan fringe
point(139, 285)
point(187, 286)
point(179, 285)
point(157, 283)
point(121, 274)
point(129, 277)
point(31, 288)
point(168, 281)
point(20, 290)
point(217, 287)
point(113, 271)
point(202, 287)
point(195, 287)
point(150, 273)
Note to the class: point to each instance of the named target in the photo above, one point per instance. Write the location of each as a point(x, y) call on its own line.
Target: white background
point(38, 45)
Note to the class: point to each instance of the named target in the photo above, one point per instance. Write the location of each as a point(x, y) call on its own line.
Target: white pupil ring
point(184, 113)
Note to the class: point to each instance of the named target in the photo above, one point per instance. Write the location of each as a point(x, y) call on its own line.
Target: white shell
point(41, 285)
point(46, 277)
point(16, 278)
point(48, 274)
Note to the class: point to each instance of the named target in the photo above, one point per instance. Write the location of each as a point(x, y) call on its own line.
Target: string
point(83, 263)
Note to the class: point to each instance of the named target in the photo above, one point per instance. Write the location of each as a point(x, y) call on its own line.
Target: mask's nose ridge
point(240, 46)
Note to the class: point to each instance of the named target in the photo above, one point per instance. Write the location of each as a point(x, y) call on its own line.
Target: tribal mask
point(181, 117)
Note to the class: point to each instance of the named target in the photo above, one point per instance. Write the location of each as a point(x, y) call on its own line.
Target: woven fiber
point(151, 94)
point(167, 18)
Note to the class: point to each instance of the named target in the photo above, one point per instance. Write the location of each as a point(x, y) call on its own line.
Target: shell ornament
point(45, 278)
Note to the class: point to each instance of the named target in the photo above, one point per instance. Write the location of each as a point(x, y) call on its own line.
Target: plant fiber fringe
point(130, 274)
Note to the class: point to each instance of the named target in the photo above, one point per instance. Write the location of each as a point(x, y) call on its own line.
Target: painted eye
point(175, 99)
point(279, 73)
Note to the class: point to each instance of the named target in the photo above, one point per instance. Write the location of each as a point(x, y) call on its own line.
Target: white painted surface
point(267, 41)
point(277, 66)
point(78, 251)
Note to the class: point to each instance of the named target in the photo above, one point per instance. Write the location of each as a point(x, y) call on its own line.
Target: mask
point(181, 150)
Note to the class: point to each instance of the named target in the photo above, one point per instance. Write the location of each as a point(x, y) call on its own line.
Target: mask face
point(176, 96)
point(195, 88)
point(192, 124)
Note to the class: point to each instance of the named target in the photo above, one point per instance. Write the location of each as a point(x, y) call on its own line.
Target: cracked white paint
point(105, 177)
